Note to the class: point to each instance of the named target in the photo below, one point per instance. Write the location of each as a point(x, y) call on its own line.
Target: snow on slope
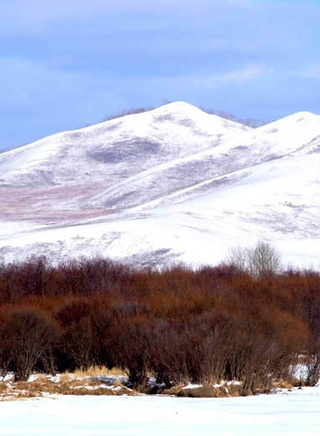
point(115, 149)
point(55, 179)
point(207, 185)
point(267, 143)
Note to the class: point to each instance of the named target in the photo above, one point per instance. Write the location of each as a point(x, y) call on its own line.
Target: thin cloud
point(251, 72)
point(66, 63)
point(310, 72)
point(239, 76)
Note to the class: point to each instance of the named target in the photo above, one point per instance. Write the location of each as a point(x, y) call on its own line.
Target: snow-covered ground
point(283, 414)
point(169, 185)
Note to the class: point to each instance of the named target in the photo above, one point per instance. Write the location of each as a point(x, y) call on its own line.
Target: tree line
point(225, 322)
point(250, 122)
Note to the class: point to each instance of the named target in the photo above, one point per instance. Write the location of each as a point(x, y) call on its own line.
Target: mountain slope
point(167, 185)
point(65, 171)
point(268, 143)
point(116, 148)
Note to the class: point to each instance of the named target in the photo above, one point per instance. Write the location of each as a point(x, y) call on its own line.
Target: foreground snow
point(286, 413)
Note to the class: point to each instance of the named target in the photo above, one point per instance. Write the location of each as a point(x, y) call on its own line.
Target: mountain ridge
point(162, 186)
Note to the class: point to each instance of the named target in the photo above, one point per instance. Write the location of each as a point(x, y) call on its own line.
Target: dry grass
point(66, 377)
point(95, 371)
point(3, 386)
point(34, 389)
point(101, 381)
point(94, 381)
point(225, 390)
point(284, 384)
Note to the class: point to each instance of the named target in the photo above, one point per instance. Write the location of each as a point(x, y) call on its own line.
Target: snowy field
point(286, 413)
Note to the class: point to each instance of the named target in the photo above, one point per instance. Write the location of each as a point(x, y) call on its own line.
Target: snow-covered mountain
point(166, 185)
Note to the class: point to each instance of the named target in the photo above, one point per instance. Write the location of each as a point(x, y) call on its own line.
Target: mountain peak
point(302, 116)
point(186, 114)
point(170, 183)
point(179, 106)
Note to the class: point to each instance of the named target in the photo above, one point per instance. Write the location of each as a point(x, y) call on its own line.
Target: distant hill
point(250, 122)
point(165, 185)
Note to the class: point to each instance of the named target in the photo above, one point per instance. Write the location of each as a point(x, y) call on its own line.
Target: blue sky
point(68, 63)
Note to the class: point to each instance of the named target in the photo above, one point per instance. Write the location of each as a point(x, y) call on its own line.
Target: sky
point(65, 64)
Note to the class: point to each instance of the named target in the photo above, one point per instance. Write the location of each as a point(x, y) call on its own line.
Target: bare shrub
point(243, 321)
point(76, 342)
point(31, 336)
point(261, 261)
point(128, 343)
